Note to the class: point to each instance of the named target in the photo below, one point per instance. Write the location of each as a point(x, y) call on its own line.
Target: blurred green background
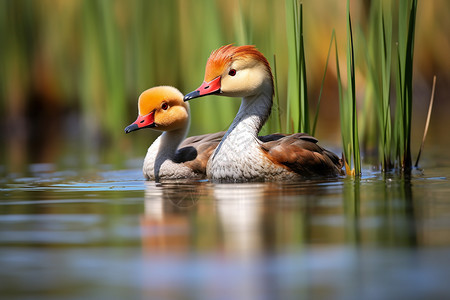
point(72, 70)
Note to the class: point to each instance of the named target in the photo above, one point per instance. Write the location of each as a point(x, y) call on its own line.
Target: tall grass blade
point(293, 88)
point(276, 105)
point(384, 107)
point(379, 57)
point(297, 102)
point(342, 114)
point(304, 108)
point(405, 55)
point(273, 124)
point(316, 115)
point(351, 98)
point(430, 107)
point(347, 105)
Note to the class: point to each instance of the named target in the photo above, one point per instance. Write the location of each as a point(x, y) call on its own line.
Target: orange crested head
point(154, 97)
point(235, 71)
point(161, 108)
point(220, 60)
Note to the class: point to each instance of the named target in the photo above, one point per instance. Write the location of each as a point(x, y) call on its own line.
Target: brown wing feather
point(195, 151)
point(205, 138)
point(277, 136)
point(301, 154)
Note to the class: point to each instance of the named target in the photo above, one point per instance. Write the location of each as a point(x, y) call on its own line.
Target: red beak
point(207, 88)
point(142, 122)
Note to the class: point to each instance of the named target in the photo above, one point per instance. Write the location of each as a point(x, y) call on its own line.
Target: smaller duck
point(169, 157)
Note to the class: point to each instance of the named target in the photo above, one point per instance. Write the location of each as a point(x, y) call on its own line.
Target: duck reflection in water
point(229, 232)
point(230, 225)
point(233, 213)
point(164, 225)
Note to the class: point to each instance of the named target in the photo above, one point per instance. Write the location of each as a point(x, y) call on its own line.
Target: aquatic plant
point(427, 123)
point(379, 58)
point(297, 102)
point(394, 128)
point(316, 114)
point(347, 106)
point(405, 54)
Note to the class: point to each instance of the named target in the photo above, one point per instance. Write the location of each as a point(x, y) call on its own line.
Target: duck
point(172, 155)
point(243, 71)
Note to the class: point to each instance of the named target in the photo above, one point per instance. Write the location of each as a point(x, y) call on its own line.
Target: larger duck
point(241, 156)
point(171, 156)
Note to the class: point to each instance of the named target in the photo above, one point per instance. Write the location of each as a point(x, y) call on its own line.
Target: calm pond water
point(112, 235)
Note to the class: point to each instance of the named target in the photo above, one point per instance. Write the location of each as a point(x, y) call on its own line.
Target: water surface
point(112, 235)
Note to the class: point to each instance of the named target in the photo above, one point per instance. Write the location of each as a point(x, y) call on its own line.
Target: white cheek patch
point(247, 80)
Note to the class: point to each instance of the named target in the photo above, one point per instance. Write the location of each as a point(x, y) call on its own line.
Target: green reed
point(394, 138)
point(394, 128)
point(427, 123)
point(405, 53)
point(275, 117)
point(347, 105)
point(379, 60)
point(316, 114)
point(297, 103)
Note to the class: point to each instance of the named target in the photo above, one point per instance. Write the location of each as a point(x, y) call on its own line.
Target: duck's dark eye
point(232, 72)
point(164, 106)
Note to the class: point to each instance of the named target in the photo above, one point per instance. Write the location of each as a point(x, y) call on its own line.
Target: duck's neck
point(252, 115)
point(169, 142)
point(238, 156)
point(164, 148)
